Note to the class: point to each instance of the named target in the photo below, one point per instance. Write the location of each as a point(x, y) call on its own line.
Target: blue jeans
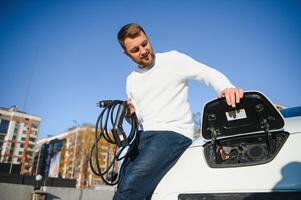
point(155, 153)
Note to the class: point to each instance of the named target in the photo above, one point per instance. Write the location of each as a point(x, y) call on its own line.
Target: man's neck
point(147, 67)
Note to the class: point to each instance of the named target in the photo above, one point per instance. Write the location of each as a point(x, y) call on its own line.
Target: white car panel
point(192, 174)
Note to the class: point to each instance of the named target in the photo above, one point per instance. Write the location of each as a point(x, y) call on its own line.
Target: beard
point(146, 60)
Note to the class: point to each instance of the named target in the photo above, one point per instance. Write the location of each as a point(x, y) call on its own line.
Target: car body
point(248, 152)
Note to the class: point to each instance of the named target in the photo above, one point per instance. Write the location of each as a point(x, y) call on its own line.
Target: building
point(18, 134)
point(43, 155)
point(68, 153)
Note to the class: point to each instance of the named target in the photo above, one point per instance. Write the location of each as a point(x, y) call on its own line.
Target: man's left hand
point(232, 95)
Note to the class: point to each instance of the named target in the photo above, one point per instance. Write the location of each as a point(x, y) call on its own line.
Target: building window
point(35, 126)
point(4, 126)
point(20, 152)
point(23, 138)
point(2, 137)
point(11, 152)
point(16, 130)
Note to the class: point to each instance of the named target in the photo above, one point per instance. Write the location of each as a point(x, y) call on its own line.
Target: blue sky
point(64, 56)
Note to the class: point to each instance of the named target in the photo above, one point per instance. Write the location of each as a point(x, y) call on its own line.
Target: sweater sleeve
point(191, 69)
point(130, 96)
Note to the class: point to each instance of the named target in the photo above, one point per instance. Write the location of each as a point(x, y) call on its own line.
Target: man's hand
point(131, 108)
point(232, 95)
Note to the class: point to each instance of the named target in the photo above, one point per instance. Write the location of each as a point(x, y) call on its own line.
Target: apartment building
point(66, 156)
point(18, 134)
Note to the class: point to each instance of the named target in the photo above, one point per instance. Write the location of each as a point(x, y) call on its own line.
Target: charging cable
point(116, 136)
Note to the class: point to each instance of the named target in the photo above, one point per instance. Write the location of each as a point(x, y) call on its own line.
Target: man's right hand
point(232, 95)
point(131, 108)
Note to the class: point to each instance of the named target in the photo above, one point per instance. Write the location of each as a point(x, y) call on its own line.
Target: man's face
point(139, 50)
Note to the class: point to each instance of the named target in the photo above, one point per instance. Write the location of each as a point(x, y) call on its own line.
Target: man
point(158, 94)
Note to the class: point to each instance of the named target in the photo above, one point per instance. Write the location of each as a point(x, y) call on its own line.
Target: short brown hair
point(131, 30)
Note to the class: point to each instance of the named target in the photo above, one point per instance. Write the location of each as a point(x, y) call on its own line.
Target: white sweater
point(160, 94)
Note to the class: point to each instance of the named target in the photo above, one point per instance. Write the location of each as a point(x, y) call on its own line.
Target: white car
point(248, 152)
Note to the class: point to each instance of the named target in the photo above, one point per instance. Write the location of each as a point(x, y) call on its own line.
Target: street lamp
point(37, 185)
point(37, 192)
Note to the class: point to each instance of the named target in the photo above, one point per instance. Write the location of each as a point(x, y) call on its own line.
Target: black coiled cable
point(115, 136)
